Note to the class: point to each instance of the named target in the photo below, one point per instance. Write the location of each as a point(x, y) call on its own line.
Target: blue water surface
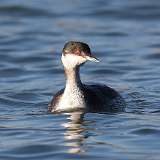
point(124, 35)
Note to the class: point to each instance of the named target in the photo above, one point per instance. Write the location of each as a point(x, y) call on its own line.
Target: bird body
point(79, 96)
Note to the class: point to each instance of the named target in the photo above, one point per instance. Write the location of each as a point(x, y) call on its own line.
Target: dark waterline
point(124, 35)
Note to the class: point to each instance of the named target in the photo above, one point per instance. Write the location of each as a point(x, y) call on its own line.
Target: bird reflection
point(75, 134)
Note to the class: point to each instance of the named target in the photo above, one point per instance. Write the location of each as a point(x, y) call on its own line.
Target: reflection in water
point(78, 131)
point(75, 134)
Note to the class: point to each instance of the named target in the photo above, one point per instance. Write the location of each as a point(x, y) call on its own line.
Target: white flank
point(71, 99)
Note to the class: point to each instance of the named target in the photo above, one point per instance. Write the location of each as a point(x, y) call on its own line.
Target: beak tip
point(97, 60)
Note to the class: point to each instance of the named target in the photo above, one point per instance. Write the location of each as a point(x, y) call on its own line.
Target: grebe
point(78, 96)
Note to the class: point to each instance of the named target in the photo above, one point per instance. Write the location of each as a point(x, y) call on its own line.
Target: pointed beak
point(92, 58)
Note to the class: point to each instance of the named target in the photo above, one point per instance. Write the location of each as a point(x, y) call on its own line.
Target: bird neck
point(73, 78)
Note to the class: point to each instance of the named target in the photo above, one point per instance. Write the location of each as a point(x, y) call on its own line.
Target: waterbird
point(79, 96)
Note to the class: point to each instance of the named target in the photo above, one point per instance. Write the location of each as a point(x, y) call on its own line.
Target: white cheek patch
point(71, 60)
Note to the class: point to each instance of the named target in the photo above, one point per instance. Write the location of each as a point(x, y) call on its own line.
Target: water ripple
point(19, 10)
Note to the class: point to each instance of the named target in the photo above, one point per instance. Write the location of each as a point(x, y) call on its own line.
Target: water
point(124, 35)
